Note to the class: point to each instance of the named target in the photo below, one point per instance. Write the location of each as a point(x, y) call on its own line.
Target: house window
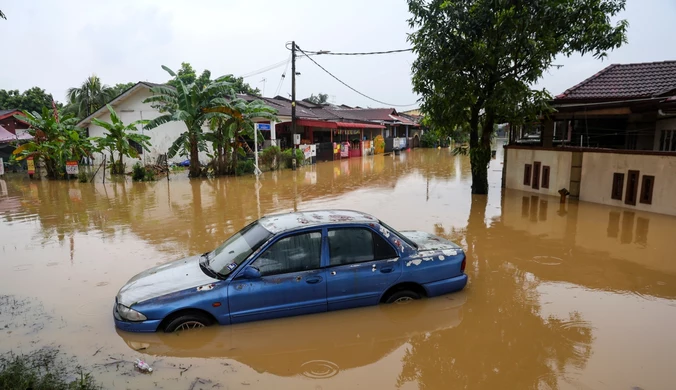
point(526, 174)
point(647, 184)
point(632, 188)
point(668, 141)
point(536, 175)
point(618, 186)
point(137, 146)
point(545, 176)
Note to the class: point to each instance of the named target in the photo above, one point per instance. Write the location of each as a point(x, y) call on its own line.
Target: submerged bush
point(42, 370)
point(288, 156)
point(82, 176)
point(270, 157)
point(141, 173)
point(244, 167)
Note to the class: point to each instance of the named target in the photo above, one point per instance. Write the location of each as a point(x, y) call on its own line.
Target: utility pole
point(293, 91)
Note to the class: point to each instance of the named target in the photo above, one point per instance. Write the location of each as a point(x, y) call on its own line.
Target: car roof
point(278, 223)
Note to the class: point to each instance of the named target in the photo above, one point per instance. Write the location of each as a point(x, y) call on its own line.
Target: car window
point(300, 252)
point(383, 249)
point(347, 246)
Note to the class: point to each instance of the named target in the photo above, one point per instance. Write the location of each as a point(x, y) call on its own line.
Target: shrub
point(271, 157)
point(82, 177)
point(429, 140)
point(42, 369)
point(141, 173)
point(244, 167)
point(288, 155)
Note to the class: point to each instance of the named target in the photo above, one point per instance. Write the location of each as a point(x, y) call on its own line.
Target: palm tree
point(119, 138)
point(194, 105)
point(90, 96)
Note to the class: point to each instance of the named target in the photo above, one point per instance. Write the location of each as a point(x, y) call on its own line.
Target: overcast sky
point(57, 44)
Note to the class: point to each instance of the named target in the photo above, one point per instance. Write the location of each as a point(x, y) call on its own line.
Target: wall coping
point(594, 150)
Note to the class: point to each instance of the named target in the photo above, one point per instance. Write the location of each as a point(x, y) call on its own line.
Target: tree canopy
point(188, 75)
point(478, 59)
point(30, 100)
point(320, 98)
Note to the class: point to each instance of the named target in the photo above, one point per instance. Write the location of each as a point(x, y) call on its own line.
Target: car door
point(292, 281)
point(362, 266)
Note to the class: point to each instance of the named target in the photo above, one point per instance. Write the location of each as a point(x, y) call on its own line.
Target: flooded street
point(575, 296)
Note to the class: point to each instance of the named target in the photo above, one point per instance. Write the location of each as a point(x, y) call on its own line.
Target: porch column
point(273, 133)
point(547, 136)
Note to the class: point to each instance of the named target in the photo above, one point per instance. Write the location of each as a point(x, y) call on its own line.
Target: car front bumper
point(147, 326)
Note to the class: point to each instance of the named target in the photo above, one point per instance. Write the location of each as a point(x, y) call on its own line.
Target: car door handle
point(314, 280)
point(386, 270)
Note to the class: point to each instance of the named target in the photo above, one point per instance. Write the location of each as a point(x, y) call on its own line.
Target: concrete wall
point(559, 163)
point(597, 179)
point(132, 109)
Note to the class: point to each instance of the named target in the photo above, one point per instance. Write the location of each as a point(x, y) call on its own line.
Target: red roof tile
point(621, 81)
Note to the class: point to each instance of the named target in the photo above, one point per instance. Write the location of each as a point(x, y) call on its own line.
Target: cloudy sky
point(57, 44)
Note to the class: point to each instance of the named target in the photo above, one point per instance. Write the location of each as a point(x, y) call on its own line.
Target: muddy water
point(579, 296)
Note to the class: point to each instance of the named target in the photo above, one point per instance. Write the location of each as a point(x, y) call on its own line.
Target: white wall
point(132, 109)
point(597, 179)
point(559, 163)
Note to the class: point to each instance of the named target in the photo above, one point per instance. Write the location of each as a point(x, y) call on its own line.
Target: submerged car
point(292, 264)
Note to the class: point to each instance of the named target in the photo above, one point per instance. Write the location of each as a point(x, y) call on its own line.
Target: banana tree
point(119, 138)
point(228, 135)
point(194, 105)
point(54, 141)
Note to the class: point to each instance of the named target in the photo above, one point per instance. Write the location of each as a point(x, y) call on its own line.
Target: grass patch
point(42, 370)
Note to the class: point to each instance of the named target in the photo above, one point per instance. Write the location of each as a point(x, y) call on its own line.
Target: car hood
point(429, 242)
point(164, 279)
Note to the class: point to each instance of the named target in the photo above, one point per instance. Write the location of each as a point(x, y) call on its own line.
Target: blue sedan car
point(292, 264)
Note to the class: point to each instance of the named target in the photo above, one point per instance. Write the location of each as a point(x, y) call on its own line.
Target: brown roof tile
point(621, 81)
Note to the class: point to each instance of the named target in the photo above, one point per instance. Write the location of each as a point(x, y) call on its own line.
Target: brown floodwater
point(575, 296)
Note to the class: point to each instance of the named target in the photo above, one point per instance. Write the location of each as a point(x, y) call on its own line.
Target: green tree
point(477, 59)
point(30, 100)
point(119, 138)
point(188, 75)
point(196, 107)
point(228, 135)
point(90, 96)
point(320, 98)
point(55, 141)
point(119, 88)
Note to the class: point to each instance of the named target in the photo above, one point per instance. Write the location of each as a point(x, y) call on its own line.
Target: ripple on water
point(22, 267)
point(319, 369)
point(547, 260)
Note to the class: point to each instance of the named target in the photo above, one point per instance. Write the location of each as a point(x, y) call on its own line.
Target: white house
point(130, 108)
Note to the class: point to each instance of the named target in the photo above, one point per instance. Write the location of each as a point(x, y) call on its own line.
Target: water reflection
point(316, 346)
point(556, 290)
point(504, 339)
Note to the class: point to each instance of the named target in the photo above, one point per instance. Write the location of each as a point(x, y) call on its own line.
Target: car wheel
point(402, 296)
point(188, 321)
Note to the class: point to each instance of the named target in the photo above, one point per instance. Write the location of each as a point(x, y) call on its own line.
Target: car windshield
point(227, 257)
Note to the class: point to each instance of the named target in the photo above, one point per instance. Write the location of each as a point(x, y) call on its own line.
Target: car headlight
point(130, 314)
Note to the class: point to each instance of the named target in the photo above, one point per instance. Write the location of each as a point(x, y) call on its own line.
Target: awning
point(352, 125)
point(7, 136)
point(312, 123)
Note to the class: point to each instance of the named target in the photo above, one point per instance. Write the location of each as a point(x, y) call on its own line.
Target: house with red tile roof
point(611, 140)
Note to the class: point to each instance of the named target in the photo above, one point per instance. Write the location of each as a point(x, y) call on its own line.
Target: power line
point(281, 79)
point(345, 84)
point(267, 68)
point(368, 53)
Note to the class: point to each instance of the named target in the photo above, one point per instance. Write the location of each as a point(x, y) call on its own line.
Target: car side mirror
point(250, 272)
